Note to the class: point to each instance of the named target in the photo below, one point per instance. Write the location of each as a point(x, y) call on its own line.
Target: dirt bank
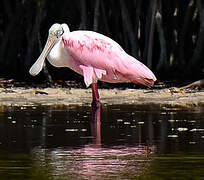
point(62, 96)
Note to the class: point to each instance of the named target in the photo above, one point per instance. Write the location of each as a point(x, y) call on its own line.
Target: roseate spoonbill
point(92, 55)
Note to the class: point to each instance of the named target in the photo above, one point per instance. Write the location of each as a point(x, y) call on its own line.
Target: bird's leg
point(96, 116)
point(95, 94)
point(96, 104)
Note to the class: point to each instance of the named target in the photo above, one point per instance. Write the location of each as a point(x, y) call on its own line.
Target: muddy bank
point(62, 96)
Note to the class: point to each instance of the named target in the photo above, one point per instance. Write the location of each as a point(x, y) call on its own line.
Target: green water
point(177, 167)
point(133, 142)
point(164, 167)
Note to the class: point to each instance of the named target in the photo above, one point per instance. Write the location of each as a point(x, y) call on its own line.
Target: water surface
point(131, 142)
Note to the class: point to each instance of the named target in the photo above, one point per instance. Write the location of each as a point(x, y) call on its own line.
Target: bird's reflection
point(96, 123)
point(93, 159)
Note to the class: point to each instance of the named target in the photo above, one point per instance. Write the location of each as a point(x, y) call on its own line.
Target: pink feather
point(98, 57)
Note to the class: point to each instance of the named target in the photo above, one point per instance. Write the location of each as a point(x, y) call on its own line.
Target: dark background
point(166, 35)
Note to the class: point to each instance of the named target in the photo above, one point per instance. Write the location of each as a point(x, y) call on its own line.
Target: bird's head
point(55, 35)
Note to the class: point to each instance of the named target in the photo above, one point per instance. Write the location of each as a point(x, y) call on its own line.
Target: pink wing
point(101, 58)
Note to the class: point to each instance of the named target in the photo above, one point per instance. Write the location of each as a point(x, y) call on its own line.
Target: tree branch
point(96, 15)
point(128, 27)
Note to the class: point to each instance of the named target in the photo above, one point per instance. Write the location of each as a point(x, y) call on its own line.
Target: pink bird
point(92, 55)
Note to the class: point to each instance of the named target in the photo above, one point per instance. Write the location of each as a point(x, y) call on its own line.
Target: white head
point(55, 35)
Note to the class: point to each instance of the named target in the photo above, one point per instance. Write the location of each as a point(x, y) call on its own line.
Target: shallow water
point(131, 142)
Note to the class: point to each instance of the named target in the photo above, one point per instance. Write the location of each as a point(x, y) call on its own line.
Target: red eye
point(59, 33)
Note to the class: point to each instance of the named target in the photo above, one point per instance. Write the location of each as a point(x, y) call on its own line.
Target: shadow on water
point(61, 142)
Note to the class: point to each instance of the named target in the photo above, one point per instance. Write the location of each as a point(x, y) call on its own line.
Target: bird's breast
point(60, 57)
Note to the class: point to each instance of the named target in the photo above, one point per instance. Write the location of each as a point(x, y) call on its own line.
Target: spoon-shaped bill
point(38, 65)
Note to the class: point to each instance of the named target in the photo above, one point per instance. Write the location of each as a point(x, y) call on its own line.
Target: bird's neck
point(58, 56)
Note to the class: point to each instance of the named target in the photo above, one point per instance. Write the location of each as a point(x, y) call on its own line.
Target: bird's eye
point(59, 33)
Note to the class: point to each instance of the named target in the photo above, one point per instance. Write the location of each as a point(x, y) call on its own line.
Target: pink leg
point(96, 116)
point(96, 104)
point(95, 94)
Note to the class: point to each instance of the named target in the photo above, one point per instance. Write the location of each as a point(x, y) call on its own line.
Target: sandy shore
point(62, 96)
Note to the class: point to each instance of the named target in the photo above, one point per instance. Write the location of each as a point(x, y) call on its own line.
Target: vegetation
point(167, 36)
